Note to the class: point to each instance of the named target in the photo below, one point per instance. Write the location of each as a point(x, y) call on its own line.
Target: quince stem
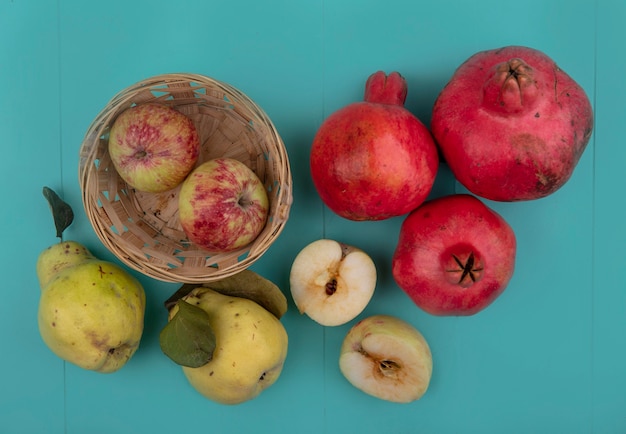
point(61, 211)
point(185, 289)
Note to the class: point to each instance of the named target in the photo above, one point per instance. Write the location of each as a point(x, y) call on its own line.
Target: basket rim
point(136, 258)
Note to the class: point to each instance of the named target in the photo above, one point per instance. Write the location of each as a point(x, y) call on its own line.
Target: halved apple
point(332, 282)
point(387, 358)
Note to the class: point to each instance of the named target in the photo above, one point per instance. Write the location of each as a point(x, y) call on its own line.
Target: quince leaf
point(188, 338)
point(61, 211)
point(245, 284)
point(253, 286)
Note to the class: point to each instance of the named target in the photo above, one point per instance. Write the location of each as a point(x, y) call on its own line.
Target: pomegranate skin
point(512, 125)
point(455, 256)
point(373, 159)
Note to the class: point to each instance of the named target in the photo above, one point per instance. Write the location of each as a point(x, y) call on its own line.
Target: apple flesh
point(223, 205)
point(332, 282)
point(153, 147)
point(454, 255)
point(387, 358)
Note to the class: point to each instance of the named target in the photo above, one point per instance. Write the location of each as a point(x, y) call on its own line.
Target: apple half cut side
point(387, 358)
point(332, 282)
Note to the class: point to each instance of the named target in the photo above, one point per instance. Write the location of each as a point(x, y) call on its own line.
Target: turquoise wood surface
point(546, 357)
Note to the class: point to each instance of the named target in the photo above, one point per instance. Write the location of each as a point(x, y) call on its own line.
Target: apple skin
point(223, 205)
point(153, 147)
point(454, 255)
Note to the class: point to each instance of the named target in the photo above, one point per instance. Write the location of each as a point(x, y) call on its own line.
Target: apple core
point(388, 368)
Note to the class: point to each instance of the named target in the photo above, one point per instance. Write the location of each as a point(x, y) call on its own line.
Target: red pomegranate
point(511, 124)
point(454, 256)
point(373, 159)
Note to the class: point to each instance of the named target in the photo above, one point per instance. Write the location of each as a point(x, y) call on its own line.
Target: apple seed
point(331, 286)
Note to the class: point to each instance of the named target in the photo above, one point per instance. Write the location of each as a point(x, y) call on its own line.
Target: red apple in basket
point(454, 256)
point(222, 205)
point(153, 147)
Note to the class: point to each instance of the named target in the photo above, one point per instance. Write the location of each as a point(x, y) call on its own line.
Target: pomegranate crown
point(390, 89)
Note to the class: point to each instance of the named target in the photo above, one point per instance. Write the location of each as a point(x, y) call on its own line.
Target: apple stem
point(61, 211)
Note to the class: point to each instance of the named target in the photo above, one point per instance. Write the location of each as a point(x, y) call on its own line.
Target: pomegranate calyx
point(511, 87)
point(389, 89)
point(464, 270)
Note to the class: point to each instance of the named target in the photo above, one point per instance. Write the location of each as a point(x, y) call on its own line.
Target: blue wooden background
point(547, 357)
